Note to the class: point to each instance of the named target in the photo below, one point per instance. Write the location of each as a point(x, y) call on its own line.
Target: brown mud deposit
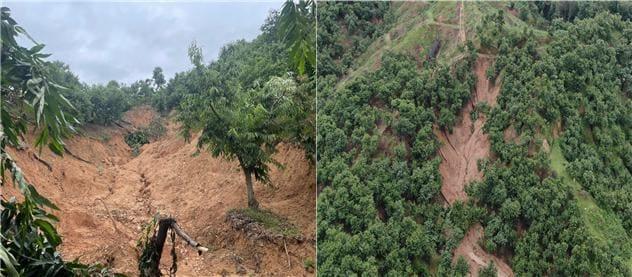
point(476, 257)
point(467, 143)
point(104, 203)
point(461, 149)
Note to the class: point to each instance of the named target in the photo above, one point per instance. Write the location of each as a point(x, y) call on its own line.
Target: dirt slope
point(460, 151)
point(105, 201)
point(467, 143)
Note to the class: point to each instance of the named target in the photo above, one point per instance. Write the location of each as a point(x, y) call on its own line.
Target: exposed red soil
point(476, 257)
point(467, 143)
point(104, 203)
point(461, 149)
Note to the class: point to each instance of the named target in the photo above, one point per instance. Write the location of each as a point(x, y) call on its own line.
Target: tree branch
point(176, 228)
point(47, 164)
point(75, 156)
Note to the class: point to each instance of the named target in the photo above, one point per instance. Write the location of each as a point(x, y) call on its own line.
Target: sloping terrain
point(461, 150)
point(435, 35)
point(466, 144)
point(105, 195)
point(391, 114)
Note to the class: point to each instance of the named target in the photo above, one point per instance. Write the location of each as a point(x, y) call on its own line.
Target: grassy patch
point(270, 221)
point(309, 265)
point(602, 225)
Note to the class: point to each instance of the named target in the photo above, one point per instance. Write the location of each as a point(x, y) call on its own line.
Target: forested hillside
point(460, 138)
point(214, 165)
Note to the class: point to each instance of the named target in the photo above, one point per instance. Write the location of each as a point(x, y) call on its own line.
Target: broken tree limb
point(188, 239)
point(47, 164)
point(119, 125)
point(126, 122)
point(157, 244)
point(75, 156)
point(111, 217)
point(289, 262)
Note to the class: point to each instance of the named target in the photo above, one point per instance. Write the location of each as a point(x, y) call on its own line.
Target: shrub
point(137, 139)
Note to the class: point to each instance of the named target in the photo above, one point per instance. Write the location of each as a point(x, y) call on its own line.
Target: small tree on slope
point(249, 129)
point(242, 124)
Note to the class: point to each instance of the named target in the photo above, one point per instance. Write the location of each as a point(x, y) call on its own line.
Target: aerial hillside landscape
point(483, 139)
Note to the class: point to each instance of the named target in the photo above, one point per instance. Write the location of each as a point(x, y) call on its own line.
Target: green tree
point(158, 77)
point(247, 126)
point(461, 268)
point(488, 271)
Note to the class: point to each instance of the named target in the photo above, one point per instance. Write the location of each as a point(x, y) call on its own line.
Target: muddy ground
point(461, 150)
point(105, 195)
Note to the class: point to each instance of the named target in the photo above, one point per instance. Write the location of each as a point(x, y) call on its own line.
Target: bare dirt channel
point(105, 195)
point(461, 151)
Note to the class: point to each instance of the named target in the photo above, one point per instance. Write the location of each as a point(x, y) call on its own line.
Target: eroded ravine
point(105, 200)
point(461, 150)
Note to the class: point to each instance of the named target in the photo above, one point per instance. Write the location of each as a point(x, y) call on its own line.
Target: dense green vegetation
point(251, 98)
point(575, 91)
point(104, 104)
point(153, 131)
point(554, 200)
point(378, 212)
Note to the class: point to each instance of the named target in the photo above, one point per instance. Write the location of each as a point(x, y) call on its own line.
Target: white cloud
point(125, 41)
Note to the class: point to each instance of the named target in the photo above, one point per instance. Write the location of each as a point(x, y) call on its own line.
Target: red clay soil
point(460, 151)
point(104, 203)
point(467, 143)
point(476, 257)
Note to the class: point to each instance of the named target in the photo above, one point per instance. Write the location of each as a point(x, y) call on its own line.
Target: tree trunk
point(252, 202)
point(158, 243)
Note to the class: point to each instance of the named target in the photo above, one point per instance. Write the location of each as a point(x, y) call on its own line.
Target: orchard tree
point(249, 127)
point(158, 78)
point(240, 123)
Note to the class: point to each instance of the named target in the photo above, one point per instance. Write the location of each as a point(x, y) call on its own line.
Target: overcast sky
point(125, 41)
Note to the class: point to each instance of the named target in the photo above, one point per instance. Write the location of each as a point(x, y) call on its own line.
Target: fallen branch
point(111, 217)
point(150, 260)
point(118, 124)
point(47, 164)
point(126, 122)
point(289, 262)
point(188, 239)
point(76, 157)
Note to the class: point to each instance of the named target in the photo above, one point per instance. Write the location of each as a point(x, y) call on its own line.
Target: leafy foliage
point(158, 78)
point(378, 167)
point(567, 82)
point(246, 102)
point(563, 88)
point(28, 237)
point(153, 131)
point(296, 27)
point(339, 46)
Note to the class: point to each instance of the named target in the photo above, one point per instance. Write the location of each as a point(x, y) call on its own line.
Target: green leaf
point(8, 262)
point(56, 146)
point(39, 199)
point(37, 48)
point(49, 231)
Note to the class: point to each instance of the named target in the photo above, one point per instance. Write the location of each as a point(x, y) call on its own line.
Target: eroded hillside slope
point(105, 195)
